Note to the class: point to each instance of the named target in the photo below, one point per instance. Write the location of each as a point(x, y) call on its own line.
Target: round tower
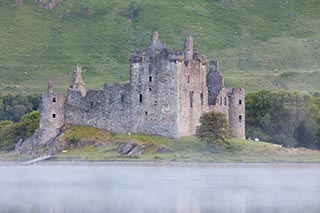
point(237, 113)
point(51, 114)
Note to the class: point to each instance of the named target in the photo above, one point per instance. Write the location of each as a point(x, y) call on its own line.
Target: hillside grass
point(187, 149)
point(255, 41)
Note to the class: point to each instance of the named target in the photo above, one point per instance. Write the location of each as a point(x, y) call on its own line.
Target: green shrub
point(213, 127)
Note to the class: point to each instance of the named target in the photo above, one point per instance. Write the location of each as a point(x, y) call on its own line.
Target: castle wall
point(192, 91)
point(107, 109)
point(222, 102)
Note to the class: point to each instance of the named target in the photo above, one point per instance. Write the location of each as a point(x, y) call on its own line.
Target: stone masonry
point(168, 92)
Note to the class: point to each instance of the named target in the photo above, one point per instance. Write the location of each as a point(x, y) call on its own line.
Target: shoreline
point(159, 164)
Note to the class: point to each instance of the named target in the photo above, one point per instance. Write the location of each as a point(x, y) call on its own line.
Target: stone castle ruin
point(168, 92)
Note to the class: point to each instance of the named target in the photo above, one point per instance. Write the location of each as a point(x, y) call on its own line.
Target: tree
point(213, 127)
point(290, 119)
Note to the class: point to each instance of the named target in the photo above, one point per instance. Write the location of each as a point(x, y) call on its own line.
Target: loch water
point(166, 188)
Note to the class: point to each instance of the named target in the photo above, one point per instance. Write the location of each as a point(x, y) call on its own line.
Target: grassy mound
point(188, 149)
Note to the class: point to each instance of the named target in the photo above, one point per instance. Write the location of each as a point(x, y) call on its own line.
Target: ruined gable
point(77, 83)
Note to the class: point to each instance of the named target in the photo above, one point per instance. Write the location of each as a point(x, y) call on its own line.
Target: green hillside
point(260, 44)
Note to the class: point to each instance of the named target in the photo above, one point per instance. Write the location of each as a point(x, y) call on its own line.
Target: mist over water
point(106, 188)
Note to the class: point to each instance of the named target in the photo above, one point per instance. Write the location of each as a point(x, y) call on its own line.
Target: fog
point(119, 188)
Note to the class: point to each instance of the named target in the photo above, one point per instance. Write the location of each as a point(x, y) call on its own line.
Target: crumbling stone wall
point(107, 109)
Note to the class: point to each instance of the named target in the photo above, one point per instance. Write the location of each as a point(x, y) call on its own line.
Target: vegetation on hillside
point(290, 119)
point(257, 42)
point(13, 107)
point(11, 133)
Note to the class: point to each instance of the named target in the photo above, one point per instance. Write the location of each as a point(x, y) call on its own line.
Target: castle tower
point(51, 114)
point(237, 113)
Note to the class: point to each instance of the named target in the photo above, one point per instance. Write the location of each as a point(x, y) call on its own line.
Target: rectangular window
point(240, 102)
point(201, 98)
point(140, 98)
point(191, 99)
point(150, 78)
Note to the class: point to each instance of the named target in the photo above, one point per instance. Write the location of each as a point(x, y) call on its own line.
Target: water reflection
point(219, 188)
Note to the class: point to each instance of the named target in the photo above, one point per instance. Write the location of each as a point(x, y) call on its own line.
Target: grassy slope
point(187, 149)
point(260, 44)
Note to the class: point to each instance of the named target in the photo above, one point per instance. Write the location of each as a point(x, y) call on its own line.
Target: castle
point(167, 93)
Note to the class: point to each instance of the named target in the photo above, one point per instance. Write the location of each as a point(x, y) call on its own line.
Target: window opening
point(150, 89)
point(122, 98)
point(240, 102)
point(146, 113)
point(201, 98)
point(225, 101)
point(140, 98)
point(191, 99)
point(240, 118)
point(150, 78)
point(54, 99)
point(53, 115)
point(188, 79)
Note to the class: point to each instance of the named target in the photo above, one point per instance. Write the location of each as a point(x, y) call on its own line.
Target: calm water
point(216, 188)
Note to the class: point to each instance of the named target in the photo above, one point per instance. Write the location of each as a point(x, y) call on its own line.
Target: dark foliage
point(12, 108)
point(11, 133)
point(290, 119)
